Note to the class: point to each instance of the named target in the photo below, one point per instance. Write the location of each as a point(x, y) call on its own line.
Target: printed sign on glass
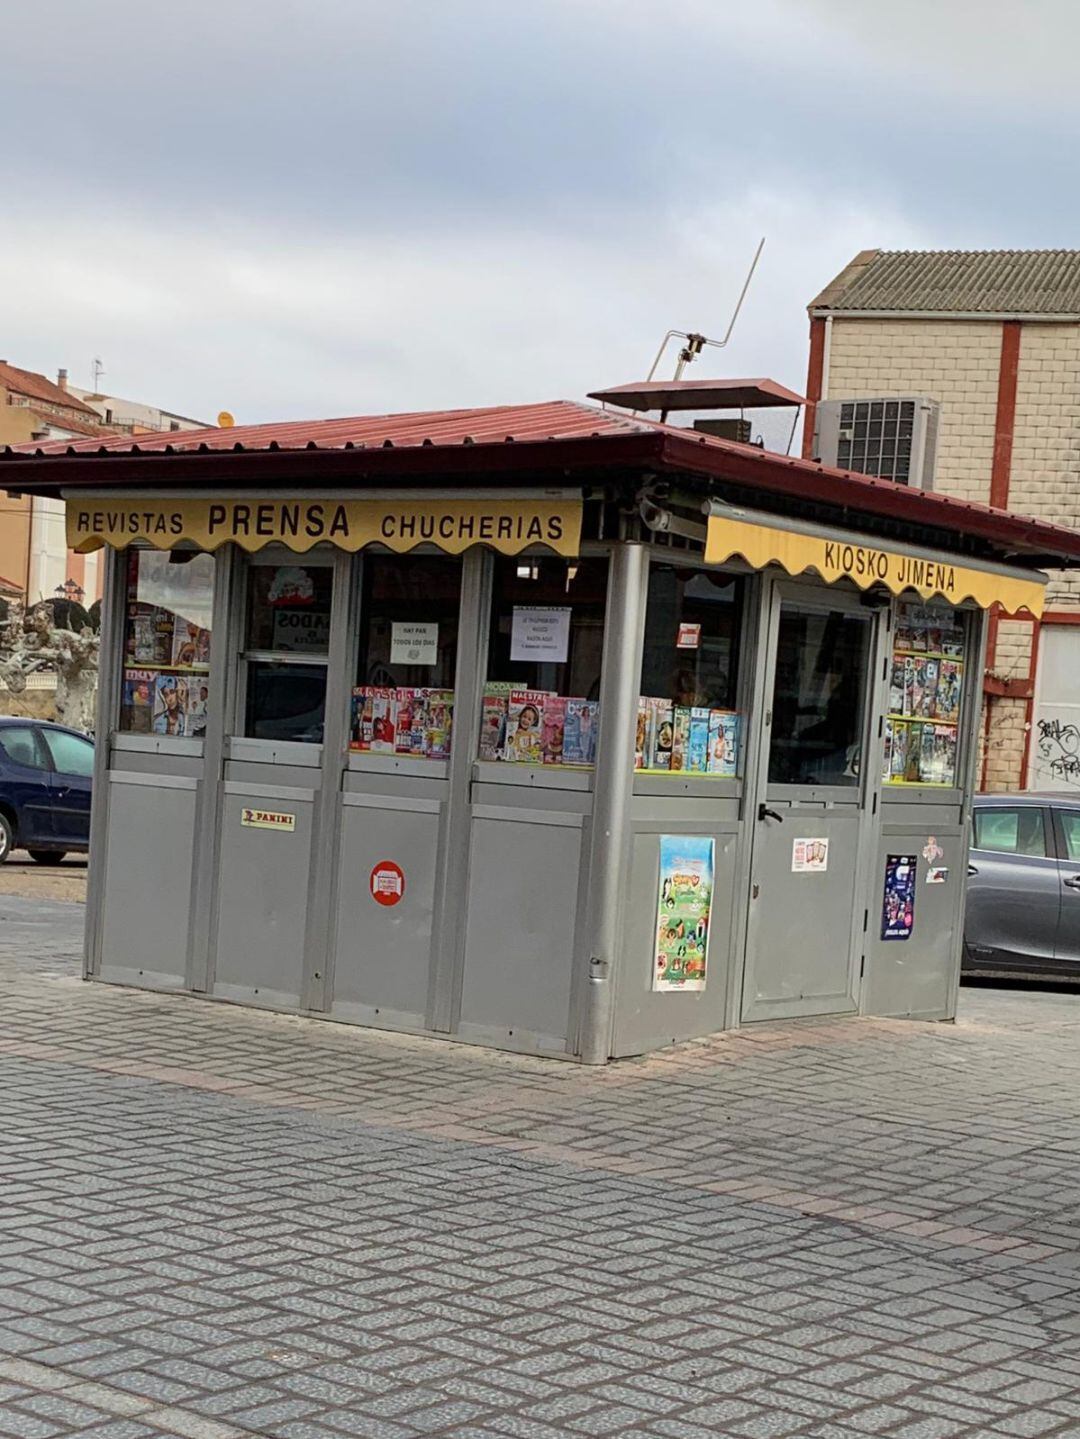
point(540, 632)
point(413, 643)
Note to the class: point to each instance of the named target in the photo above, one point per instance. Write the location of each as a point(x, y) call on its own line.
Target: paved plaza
point(217, 1222)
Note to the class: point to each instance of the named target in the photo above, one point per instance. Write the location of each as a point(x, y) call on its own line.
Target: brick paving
point(216, 1222)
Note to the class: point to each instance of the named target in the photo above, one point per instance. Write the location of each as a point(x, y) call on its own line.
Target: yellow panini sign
point(452, 525)
point(866, 565)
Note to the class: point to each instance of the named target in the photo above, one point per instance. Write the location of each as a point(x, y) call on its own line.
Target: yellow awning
point(509, 525)
point(867, 565)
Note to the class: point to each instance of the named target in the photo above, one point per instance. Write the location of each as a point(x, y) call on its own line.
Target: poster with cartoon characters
point(685, 900)
point(898, 906)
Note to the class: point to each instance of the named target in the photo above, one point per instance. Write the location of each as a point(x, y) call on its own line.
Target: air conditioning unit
point(894, 437)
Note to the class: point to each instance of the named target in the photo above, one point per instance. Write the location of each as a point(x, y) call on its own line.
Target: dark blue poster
point(898, 909)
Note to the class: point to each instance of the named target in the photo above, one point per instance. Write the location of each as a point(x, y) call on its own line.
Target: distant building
point(34, 558)
point(130, 416)
point(994, 338)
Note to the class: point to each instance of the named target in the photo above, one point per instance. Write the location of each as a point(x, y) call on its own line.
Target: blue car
point(45, 785)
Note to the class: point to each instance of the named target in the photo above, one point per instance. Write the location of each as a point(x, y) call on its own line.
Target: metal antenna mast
point(695, 343)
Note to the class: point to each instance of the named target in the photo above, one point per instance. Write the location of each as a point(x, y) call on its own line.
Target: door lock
point(764, 812)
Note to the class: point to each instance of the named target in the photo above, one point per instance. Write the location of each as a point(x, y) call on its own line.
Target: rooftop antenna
point(97, 369)
point(695, 343)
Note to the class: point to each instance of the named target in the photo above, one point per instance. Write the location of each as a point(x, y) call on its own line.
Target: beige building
point(994, 338)
point(35, 561)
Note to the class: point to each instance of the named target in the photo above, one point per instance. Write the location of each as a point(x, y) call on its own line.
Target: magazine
point(170, 705)
point(523, 725)
point(660, 734)
point(899, 750)
point(947, 698)
point(944, 755)
point(642, 743)
point(198, 705)
point(897, 685)
point(438, 720)
point(579, 737)
point(190, 645)
point(698, 751)
point(553, 730)
point(361, 728)
point(680, 738)
point(723, 742)
point(383, 718)
point(930, 684)
point(138, 701)
point(493, 721)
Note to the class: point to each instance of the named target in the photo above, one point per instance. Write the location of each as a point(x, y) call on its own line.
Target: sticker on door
point(809, 856)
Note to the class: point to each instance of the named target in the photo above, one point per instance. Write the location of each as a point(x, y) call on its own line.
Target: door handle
point(1073, 882)
point(972, 870)
point(763, 812)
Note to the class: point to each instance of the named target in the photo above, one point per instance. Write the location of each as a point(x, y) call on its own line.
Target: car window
point(1011, 831)
point(71, 755)
point(20, 744)
point(1070, 823)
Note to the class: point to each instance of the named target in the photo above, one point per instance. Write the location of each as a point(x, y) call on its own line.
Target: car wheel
point(47, 856)
point(7, 838)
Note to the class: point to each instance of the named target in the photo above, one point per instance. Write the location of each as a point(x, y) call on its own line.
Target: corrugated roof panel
point(558, 419)
point(991, 282)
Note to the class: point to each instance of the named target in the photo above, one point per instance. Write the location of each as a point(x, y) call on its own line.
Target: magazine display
point(165, 684)
point(520, 726)
point(404, 721)
point(925, 688)
point(676, 739)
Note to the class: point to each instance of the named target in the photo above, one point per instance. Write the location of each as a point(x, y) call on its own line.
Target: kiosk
point(540, 727)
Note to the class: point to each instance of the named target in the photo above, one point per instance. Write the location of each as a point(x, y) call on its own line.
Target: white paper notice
point(809, 856)
point(414, 643)
point(540, 632)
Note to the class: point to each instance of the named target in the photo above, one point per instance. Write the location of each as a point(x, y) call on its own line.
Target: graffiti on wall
point(1057, 749)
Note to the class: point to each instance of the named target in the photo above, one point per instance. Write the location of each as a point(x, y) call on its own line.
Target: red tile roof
point(563, 439)
point(36, 387)
point(69, 422)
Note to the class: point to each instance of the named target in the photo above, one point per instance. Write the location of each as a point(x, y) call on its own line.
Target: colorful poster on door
point(684, 905)
point(898, 905)
point(809, 856)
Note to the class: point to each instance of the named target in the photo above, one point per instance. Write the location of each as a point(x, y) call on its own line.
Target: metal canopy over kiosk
point(543, 727)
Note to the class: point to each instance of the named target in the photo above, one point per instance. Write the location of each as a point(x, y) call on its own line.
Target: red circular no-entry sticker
point(387, 882)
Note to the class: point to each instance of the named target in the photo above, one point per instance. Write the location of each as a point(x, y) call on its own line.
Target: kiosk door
point(810, 806)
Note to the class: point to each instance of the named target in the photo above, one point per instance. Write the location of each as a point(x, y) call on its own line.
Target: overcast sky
point(298, 208)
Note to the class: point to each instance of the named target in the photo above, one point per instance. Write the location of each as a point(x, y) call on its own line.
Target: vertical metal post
point(451, 895)
point(326, 819)
point(967, 745)
point(223, 648)
point(628, 585)
point(110, 661)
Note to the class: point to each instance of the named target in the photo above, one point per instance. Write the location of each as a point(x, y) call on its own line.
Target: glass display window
point(688, 721)
point(287, 615)
point(819, 696)
point(926, 687)
point(168, 616)
point(541, 701)
point(403, 700)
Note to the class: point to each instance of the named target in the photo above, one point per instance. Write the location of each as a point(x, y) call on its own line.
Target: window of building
point(168, 613)
point(1011, 831)
point(687, 713)
point(541, 699)
point(403, 701)
point(819, 696)
point(925, 690)
point(286, 648)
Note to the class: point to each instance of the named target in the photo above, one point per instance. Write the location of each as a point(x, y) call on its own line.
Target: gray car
point(1023, 901)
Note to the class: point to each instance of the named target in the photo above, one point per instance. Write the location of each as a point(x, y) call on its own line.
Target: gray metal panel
point(653, 812)
point(239, 750)
point(521, 776)
point(147, 891)
point(914, 977)
point(395, 766)
point(382, 959)
point(429, 787)
point(519, 942)
point(108, 701)
point(644, 1018)
point(126, 762)
point(785, 975)
point(257, 775)
point(262, 903)
point(532, 801)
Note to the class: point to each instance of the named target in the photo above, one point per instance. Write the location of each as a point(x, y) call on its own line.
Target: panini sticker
point(267, 819)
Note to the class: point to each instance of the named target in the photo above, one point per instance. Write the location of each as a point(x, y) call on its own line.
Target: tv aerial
point(695, 343)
